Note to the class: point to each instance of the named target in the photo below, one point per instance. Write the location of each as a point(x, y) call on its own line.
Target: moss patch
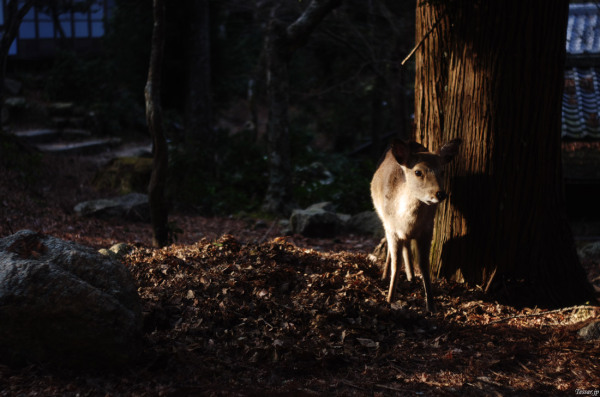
point(126, 175)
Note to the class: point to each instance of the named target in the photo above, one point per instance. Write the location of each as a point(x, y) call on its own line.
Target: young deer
point(406, 189)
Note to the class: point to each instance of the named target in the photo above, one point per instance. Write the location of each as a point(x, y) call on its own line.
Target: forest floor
point(233, 308)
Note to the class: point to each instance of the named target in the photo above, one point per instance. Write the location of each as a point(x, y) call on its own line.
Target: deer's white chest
point(404, 219)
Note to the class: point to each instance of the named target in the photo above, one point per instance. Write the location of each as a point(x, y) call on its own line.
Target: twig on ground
point(564, 309)
point(348, 383)
point(264, 237)
point(393, 388)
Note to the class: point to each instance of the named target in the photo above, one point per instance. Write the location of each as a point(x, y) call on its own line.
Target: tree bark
point(279, 45)
point(154, 117)
point(491, 73)
point(279, 190)
point(198, 110)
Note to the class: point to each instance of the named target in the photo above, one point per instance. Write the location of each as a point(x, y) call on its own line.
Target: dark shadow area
point(513, 268)
point(465, 190)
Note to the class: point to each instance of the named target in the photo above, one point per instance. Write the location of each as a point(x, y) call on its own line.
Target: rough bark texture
point(280, 43)
point(198, 111)
point(279, 191)
point(154, 117)
point(491, 73)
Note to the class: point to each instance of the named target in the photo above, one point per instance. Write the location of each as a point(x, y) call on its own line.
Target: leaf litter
point(232, 310)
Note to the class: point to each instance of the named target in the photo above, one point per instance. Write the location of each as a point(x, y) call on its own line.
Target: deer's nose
point(441, 195)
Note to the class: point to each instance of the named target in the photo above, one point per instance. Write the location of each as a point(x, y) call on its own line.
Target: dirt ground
point(234, 308)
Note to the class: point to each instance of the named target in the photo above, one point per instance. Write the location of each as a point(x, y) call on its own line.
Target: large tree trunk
point(491, 73)
point(198, 110)
point(280, 44)
point(154, 117)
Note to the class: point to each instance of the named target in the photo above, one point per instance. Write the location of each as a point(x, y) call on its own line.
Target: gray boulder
point(321, 220)
point(367, 223)
point(66, 304)
point(315, 222)
point(326, 206)
point(590, 331)
point(589, 251)
point(133, 206)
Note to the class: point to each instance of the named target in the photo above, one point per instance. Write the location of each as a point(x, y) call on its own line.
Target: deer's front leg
point(408, 260)
point(424, 245)
point(393, 255)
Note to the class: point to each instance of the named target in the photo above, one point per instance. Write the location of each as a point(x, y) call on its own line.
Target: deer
point(406, 190)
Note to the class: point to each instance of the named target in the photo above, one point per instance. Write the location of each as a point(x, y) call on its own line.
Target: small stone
point(590, 331)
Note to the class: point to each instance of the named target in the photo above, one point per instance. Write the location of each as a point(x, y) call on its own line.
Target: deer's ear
point(449, 150)
point(416, 147)
point(401, 151)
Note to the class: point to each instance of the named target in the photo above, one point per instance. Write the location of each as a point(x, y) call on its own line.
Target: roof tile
point(581, 104)
point(583, 29)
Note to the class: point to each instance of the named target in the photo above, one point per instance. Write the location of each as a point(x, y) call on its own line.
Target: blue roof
point(581, 97)
point(583, 29)
point(581, 103)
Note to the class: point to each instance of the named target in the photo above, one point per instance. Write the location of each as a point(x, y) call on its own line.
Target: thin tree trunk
point(491, 73)
point(279, 191)
point(154, 117)
point(13, 15)
point(376, 122)
point(198, 111)
point(400, 104)
point(62, 37)
point(280, 44)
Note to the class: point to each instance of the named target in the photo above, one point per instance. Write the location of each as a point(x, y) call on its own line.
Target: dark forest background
point(348, 96)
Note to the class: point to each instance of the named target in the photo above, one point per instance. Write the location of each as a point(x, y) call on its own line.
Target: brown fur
point(406, 190)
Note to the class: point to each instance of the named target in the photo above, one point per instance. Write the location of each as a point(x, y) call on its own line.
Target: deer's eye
point(418, 173)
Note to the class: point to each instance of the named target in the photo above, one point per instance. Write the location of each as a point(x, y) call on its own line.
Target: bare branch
point(14, 16)
point(422, 41)
point(299, 31)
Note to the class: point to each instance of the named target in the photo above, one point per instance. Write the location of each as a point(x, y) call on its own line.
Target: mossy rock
point(125, 174)
point(117, 251)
